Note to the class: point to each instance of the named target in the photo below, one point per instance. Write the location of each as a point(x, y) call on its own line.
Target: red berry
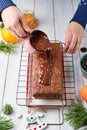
point(39, 126)
point(31, 117)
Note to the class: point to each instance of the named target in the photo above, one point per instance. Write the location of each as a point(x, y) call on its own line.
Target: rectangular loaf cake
point(47, 74)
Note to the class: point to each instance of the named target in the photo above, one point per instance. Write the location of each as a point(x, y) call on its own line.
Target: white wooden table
point(53, 16)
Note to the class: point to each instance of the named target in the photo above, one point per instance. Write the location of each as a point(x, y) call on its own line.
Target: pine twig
point(76, 115)
point(6, 124)
point(7, 48)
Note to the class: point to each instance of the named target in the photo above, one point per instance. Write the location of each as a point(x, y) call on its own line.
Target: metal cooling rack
point(68, 84)
point(43, 103)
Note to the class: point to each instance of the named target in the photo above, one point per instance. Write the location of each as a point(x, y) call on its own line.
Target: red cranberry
point(31, 118)
point(39, 126)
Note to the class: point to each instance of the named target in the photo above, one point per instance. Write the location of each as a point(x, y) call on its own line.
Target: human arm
point(75, 29)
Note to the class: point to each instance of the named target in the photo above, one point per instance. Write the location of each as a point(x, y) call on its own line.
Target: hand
point(73, 37)
point(14, 21)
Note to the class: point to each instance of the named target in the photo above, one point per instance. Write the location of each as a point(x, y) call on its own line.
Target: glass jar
point(30, 18)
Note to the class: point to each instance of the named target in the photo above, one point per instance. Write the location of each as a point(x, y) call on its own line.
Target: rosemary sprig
point(7, 48)
point(6, 124)
point(76, 115)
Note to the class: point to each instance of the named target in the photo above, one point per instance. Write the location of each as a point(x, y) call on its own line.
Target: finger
point(77, 45)
point(68, 38)
point(72, 44)
point(80, 36)
point(13, 32)
point(18, 29)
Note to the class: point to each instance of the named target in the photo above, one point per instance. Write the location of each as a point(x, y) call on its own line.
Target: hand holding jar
point(17, 25)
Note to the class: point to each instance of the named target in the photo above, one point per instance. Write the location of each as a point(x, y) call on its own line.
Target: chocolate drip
point(48, 53)
point(45, 68)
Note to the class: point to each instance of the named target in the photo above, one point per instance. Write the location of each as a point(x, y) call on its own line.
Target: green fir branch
point(7, 109)
point(1, 25)
point(7, 48)
point(6, 124)
point(76, 115)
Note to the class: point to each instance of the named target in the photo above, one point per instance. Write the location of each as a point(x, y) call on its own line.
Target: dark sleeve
point(80, 15)
point(4, 4)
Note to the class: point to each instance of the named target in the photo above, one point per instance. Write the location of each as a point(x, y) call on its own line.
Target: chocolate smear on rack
point(83, 49)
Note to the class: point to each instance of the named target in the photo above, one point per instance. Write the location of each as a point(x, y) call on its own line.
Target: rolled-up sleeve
point(80, 15)
point(4, 4)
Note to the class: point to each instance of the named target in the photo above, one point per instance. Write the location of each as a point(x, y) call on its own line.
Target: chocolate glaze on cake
point(47, 74)
point(45, 69)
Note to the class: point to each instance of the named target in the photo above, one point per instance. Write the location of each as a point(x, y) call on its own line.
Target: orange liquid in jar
point(30, 19)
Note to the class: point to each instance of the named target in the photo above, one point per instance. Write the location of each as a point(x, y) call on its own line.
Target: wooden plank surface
point(3, 75)
point(53, 17)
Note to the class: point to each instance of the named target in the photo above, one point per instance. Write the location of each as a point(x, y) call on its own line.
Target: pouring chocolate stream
point(40, 42)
